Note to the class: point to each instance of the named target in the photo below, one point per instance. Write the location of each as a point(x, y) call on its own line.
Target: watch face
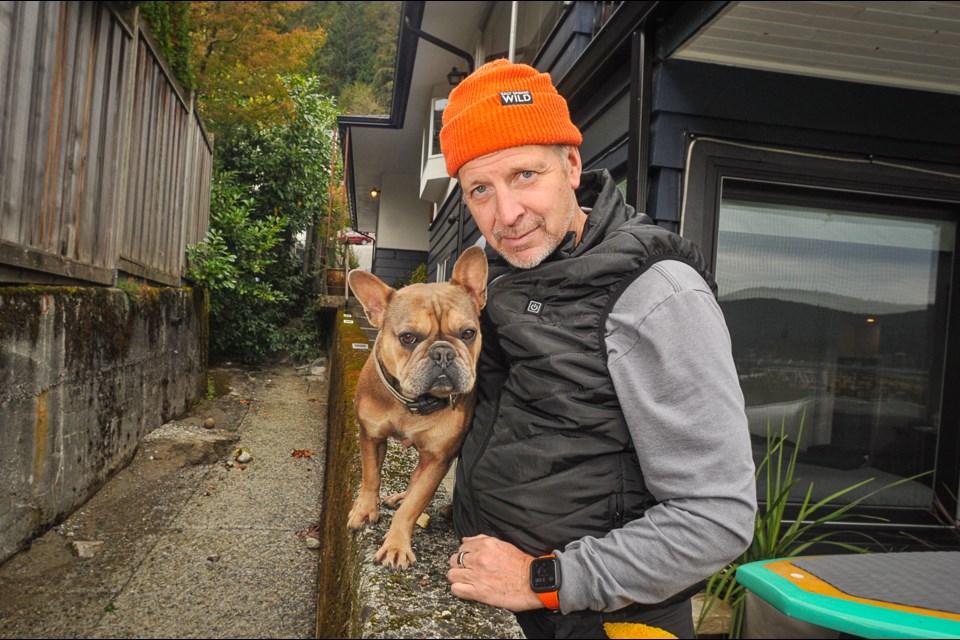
point(544, 575)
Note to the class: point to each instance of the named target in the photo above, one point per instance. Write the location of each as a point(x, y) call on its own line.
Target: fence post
point(123, 180)
point(190, 180)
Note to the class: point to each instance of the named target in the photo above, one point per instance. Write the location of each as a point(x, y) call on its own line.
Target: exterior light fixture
point(871, 320)
point(455, 77)
point(374, 193)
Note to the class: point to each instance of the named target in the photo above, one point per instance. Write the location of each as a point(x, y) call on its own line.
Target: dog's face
point(429, 333)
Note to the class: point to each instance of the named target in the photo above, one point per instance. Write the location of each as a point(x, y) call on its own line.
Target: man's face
point(523, 200)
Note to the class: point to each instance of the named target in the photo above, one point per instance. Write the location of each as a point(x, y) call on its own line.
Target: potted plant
point(336, 278)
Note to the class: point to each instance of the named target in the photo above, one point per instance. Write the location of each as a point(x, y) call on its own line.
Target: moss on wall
point(337, 611)
point(21, 309)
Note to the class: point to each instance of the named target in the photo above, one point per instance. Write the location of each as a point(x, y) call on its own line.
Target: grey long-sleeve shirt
point(670, 359)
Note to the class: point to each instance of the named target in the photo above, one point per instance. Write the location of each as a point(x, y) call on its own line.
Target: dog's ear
point(372, 293)
point(470, 272)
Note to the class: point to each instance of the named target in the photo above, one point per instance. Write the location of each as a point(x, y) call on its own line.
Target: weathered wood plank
point(97, 152)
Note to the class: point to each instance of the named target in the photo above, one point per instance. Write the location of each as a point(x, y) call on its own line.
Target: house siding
point(775, 109)
point(391, 265)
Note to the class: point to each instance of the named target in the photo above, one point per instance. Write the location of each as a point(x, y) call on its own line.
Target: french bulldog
point(418, 387)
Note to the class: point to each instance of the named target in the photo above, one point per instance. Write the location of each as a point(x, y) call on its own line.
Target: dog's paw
point(396, 555)
point(394, 501)
point(362, 512)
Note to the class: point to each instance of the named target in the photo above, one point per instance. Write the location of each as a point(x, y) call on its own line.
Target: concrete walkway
point(183, 544)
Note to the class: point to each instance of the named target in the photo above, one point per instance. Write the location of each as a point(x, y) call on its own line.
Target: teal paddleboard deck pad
point(925, 580)
point(884, 595)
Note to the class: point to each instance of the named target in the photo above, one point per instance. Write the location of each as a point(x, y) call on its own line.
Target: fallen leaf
point(244, 401)
point(313, 531)
point(302, 453)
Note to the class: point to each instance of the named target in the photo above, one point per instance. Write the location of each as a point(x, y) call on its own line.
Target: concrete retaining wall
point(85, 373)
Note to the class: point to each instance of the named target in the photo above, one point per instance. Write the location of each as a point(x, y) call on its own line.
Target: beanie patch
point(508, 98)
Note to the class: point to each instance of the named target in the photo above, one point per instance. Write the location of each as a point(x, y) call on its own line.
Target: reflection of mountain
point(821, 299)
point(779, 329)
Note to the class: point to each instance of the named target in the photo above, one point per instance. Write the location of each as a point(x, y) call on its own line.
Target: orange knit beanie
point(503, 105)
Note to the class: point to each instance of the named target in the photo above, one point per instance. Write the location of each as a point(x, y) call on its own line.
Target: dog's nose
point(442, 354)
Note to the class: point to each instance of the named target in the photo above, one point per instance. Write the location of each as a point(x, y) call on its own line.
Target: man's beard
point(531, 222)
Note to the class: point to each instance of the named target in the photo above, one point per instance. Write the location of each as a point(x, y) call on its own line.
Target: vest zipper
point(468, 473)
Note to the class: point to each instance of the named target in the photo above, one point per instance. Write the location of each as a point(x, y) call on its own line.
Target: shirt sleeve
point(669, 356)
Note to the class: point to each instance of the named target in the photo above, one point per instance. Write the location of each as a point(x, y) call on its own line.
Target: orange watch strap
point(550, 600)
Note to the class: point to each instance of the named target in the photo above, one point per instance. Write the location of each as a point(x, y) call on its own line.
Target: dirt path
point(187, 542)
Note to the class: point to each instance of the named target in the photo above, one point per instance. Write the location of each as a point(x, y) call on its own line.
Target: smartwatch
point(545, 580)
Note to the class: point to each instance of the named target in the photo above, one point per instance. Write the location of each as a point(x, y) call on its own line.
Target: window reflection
point(838, 321)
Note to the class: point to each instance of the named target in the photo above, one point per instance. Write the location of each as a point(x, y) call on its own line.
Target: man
point(609, 433)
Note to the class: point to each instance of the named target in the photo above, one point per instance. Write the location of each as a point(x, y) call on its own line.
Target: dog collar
point(423, 405)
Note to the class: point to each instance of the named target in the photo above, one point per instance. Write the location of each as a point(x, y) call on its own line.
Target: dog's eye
point(408, 338)
point(468, 334)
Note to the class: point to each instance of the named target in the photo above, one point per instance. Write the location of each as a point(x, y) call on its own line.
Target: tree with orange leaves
point(239, 51)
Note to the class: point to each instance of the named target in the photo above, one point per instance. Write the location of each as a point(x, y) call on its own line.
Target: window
point(442, 267)
point(436, 123)
point(836, 284)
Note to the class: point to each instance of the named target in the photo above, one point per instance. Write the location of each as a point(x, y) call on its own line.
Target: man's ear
point(575, 166)
point(372, 293)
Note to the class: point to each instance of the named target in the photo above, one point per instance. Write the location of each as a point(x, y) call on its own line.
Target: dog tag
point(360, 346)
point(347, 315)
point(348, 322)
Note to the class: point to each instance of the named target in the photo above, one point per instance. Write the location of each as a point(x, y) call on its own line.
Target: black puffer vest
point(549, 458)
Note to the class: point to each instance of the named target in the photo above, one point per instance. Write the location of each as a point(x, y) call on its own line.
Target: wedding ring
point(460, 559)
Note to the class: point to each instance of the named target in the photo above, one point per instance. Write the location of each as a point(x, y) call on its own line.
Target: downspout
point(511, 51)
point(641, 97)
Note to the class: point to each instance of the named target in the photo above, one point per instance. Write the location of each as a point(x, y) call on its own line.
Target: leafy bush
point(272, 182)
point(419, 274)
point(302, 339)
point(232, 263)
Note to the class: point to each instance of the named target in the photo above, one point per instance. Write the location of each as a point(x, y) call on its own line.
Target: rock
point(244, 457)
point(718, 618)
point(86, 548)
point(311, 542)
point(318, 371)
point(209, 423)
point(423, 521)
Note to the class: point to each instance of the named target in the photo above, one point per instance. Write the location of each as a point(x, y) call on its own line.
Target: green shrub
point(419, 274)
point(232, 262)
point(272, 182)
point(303, 339)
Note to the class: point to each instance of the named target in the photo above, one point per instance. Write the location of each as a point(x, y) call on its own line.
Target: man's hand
point(493, 572)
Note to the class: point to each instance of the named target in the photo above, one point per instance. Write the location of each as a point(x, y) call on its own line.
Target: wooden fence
point(104, 164)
